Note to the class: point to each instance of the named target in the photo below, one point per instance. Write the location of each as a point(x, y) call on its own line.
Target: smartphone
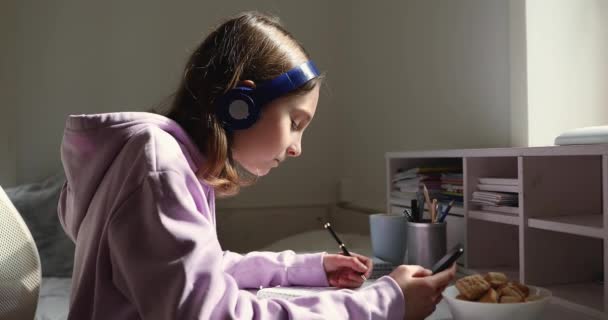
point(448, 259)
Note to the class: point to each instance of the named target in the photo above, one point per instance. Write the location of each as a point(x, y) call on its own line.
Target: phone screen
point(448, 259)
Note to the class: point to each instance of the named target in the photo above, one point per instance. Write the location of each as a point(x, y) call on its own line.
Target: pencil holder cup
point(388, 235)
point(426, 243)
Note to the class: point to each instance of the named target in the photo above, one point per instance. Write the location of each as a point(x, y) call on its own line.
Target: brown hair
point(249, 46)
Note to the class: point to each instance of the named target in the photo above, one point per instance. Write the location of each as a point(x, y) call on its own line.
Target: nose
point(295, 149)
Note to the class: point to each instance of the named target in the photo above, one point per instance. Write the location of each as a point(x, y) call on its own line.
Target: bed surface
point(54, 299)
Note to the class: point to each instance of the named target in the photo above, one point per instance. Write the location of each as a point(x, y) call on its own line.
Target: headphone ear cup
point(237, 109)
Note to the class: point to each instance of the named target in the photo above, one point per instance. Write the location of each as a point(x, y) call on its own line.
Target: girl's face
point(277, 134)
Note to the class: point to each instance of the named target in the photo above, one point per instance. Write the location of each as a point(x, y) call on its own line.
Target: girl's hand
point(421, 290)
point(344, 271)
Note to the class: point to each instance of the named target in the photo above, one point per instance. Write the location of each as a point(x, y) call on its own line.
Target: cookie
point(472, 287)
point(496, 279)
point(491, 296)
point(510, 299)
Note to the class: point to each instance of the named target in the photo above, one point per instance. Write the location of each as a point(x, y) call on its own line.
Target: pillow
point(37, 204)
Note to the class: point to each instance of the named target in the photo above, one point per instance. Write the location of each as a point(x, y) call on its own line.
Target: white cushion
point(586, 135)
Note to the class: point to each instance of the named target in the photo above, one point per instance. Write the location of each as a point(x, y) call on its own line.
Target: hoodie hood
point(90, 145)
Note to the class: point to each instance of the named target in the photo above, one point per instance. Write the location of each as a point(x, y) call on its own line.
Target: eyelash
point(294, 125)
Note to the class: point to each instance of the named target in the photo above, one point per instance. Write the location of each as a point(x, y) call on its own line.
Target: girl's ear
point(247, 83)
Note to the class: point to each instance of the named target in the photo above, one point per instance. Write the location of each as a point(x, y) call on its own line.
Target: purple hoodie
point(146, 242)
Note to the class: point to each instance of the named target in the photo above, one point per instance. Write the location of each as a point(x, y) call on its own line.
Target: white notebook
point(500, 181)
point(498, 188)
point(294, 292)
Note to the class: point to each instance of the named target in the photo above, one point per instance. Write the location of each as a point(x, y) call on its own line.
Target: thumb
point(420, 272)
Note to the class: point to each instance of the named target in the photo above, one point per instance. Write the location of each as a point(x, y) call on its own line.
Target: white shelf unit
point(558, 239)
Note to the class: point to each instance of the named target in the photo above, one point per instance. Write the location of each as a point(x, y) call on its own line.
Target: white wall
point(518, 74)
point(410, 75)
point(419, 75)
point(86, 57)
point(8, 97)
point(567, 57)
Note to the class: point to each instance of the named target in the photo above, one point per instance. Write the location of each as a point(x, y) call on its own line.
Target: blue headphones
point(240, 107)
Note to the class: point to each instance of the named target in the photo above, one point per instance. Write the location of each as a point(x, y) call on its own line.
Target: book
point(495, 198)
point(290, 292)
point(498, 187)
point(413, 172)
point(494, 203)
point(452, 187)
point(403, 195)
point(499, 181)
point(295, 292)
point(381, 268)
point(495, 195)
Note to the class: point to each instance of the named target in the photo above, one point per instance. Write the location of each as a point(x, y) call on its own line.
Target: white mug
point(388, 235)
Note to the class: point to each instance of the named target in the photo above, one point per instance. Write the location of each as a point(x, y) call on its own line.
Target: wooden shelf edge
point(571, 228)
point(494, 217)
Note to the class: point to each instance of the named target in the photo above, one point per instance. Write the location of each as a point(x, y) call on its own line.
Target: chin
point(262, 172)
point(257, 171)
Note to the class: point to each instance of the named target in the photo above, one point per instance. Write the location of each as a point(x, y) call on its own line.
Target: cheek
point(275, 134)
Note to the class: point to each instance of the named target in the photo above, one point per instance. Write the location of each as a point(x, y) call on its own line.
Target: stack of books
point(497, 194)
point(407, 183)
point(451, 188)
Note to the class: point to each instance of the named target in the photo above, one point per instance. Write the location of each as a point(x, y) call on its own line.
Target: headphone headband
point(285, 83)
point(240, 107)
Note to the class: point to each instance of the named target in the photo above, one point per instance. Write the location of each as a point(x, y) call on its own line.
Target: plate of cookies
point(493, 296)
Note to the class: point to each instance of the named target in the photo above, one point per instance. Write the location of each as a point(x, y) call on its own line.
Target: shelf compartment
point(487, 167)
point(497, 217)
point(563, 186)
point(492, 246)
point(570, 265)
point(589, 225)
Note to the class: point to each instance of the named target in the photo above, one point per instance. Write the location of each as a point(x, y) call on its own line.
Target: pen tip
point(326, 225)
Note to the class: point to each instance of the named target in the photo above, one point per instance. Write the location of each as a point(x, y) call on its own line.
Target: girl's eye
point(294, 125)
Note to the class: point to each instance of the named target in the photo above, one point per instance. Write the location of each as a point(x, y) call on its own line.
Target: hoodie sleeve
point(167, 261)
point(284, 268)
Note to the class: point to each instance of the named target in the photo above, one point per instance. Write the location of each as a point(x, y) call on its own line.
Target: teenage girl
point(139, 201)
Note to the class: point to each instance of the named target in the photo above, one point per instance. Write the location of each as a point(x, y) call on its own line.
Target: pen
point(408, 213)
point(340, 244)
point(427, 199)
point(445, 211)
point(415, 210)
point(420, 199)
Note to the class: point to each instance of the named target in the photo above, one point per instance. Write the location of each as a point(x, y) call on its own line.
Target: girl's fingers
point(345, 279)
point(347, 283)
point(442, 279)
point(419, 271)
point(368, 262)
point(370, 266)
point(355, 277)
point(352, 262)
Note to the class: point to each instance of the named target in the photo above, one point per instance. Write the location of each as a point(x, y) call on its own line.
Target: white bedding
point(54, 299)
point(55, 292)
